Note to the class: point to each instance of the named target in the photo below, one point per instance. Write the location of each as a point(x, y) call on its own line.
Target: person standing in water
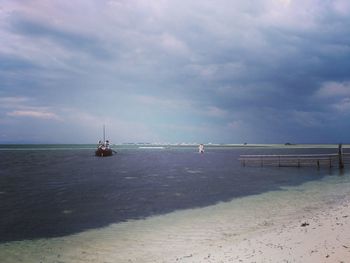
point(201, 148)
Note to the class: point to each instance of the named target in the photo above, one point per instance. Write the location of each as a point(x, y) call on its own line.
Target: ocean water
point(60, 203)
point(57, 190)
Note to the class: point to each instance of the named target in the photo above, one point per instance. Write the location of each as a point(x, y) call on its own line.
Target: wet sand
point(309, 223)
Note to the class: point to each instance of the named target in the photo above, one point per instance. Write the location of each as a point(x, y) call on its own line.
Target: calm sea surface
point(56, 190)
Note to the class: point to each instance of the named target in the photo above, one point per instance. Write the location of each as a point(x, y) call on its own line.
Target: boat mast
point(104, 133)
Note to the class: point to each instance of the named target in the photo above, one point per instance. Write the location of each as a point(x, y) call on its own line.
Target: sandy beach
point(307, 223)
point(322, 236)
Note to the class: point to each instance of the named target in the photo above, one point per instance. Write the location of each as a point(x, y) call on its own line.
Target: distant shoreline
point(4, 145)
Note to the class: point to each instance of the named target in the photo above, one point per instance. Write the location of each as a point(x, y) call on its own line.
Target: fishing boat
point(103, 148)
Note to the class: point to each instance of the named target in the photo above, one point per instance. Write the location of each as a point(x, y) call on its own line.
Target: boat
point(103, 148)
point(103, 151)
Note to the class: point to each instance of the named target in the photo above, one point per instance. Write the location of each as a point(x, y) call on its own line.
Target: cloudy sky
point(256, 71)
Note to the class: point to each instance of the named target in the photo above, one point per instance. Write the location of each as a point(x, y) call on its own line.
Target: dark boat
point(103, 148)
point(102, 152)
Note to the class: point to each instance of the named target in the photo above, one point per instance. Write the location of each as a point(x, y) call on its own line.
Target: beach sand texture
point(307, 223)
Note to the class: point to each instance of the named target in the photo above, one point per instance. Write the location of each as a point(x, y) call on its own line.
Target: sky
point(173, 71)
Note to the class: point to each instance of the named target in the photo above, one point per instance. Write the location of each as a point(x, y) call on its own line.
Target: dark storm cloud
point(71, 40)
point(12, 63)
point(228, 71)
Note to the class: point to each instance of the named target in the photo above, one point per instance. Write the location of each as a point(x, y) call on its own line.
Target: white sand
point(261, 228)
point(323, 236)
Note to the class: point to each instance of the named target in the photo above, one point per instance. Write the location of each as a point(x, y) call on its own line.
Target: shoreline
point(261, 228)
point(13, 146)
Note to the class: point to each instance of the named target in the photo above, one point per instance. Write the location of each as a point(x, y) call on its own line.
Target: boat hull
point(103, 152)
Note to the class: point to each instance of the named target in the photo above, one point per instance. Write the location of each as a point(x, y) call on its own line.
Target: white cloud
point(293, 14)
point(334, 96)
point(34, 114)
point(172, 44)
point(164, 103)
point(216, 112)
point(10, 102)
point(181, 105)
point(217, 71)
point(306, 118)
point(341, 6)
point(343, 105)
point(118, 130)
point(19, 106)
point(333, 89)
point(235, 125)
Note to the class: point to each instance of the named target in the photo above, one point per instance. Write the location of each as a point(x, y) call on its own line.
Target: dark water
point(56, 192)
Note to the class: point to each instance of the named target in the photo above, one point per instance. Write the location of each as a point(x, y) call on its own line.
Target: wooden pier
point(338, 159)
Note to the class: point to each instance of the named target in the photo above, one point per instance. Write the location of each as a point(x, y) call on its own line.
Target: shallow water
point(49, 191)
point(179, 234)
point(60, 192)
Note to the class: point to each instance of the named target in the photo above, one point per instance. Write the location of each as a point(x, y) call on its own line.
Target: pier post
point(279, 161)
point(340, 156)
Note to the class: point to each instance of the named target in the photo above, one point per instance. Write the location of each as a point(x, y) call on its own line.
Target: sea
point(53, 192)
